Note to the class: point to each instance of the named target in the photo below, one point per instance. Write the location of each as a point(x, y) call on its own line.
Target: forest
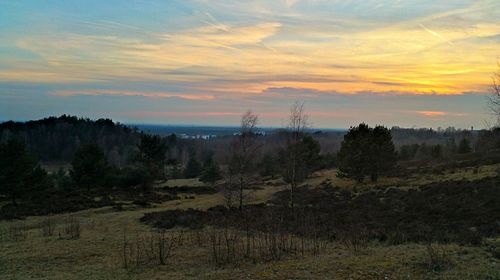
point(68, 156)
point(318, 188)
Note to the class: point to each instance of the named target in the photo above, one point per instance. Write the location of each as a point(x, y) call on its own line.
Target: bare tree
point(243, 151)
point(228, 189)
point(297, 124)
point(494, 99)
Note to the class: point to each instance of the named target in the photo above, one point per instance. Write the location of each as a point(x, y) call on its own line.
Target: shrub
point(18, 231)
point(153, 247)
point(47, 226)
point(73, 228)
point(133, 176)
point(438, 257)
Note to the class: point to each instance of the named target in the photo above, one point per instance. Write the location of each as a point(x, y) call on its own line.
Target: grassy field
point(97, 252)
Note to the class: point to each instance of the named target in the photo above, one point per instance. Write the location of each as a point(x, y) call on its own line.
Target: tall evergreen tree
point(16, 169)
point(382, 152)
point(464, 146)
point(89, 166)
point(152, 153)
point(353, 156)
point(366, 151)
point(437, 151)
point(269, 166)
point(193, 167)
point(211, 172)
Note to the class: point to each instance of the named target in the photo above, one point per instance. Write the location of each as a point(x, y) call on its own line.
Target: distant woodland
point(56, 139)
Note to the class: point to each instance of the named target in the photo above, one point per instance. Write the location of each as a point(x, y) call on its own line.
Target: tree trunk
point(241, 194)
point(293, 179)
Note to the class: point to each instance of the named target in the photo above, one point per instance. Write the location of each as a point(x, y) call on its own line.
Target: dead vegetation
point(461, 212)
point(263, 241)
point(146, 249)
point(72, 227)
point(47, 226)
point(18, 231)
point(438, 257)
point(231, 246)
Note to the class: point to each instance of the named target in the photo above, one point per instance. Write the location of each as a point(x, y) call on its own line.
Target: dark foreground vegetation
point(103, 162)
point(463, 212)
point(372, 198)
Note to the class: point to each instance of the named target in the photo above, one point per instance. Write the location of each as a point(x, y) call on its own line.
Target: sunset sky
point(408, 63)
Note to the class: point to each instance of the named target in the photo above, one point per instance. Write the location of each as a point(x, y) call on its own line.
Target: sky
point(397, 63)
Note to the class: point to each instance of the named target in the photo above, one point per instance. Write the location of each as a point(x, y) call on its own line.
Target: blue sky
point(406, 63)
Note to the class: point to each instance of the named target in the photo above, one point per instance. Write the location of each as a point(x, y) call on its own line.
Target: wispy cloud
point(255, 52)
point(433, 33)
point(134, 93)
point(439, 114)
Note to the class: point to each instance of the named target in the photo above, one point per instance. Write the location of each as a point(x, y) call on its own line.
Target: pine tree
point(193, 167)
point(464, 146)
point(16, 169)
point(211, 172)
point(152, 153)
point(366, 151)
point(353, 156)
point(89, 167)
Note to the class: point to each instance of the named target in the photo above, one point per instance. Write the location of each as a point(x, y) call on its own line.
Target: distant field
point(194, 130)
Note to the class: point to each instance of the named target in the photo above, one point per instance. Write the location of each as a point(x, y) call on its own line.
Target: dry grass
point(96, 254)
point(413, 181)
point(182, 182)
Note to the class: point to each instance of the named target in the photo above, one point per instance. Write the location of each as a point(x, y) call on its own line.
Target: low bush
point(462, 212)
point(18, 231)
point(73, 228)
point(47, 226)
point(438, 257)
point(155, 247)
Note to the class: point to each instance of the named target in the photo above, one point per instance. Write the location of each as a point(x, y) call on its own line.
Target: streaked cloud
point(134, 93)
point(438, 113)
point(231, 54)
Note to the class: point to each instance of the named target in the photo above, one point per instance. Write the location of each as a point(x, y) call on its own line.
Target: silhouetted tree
point(437, 151)
point(290, 157)
point(408, 152)
point(211, 172)
point(366, 151)
point(309, 154)
point(269, 166)
point(451, 146)
point(16, 167)
point(175, 171)
point(306, 155)
point(382, 152)
point(354, 155)
point(488, 139)
point(464, 146)
point(152, 153)
point(89, 167)
point(135, 175)
point(494, 100)
point(243, 151)
point(58, 138)
point(193, 167)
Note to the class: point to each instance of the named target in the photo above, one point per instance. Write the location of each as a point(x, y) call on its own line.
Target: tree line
point(364, 152)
